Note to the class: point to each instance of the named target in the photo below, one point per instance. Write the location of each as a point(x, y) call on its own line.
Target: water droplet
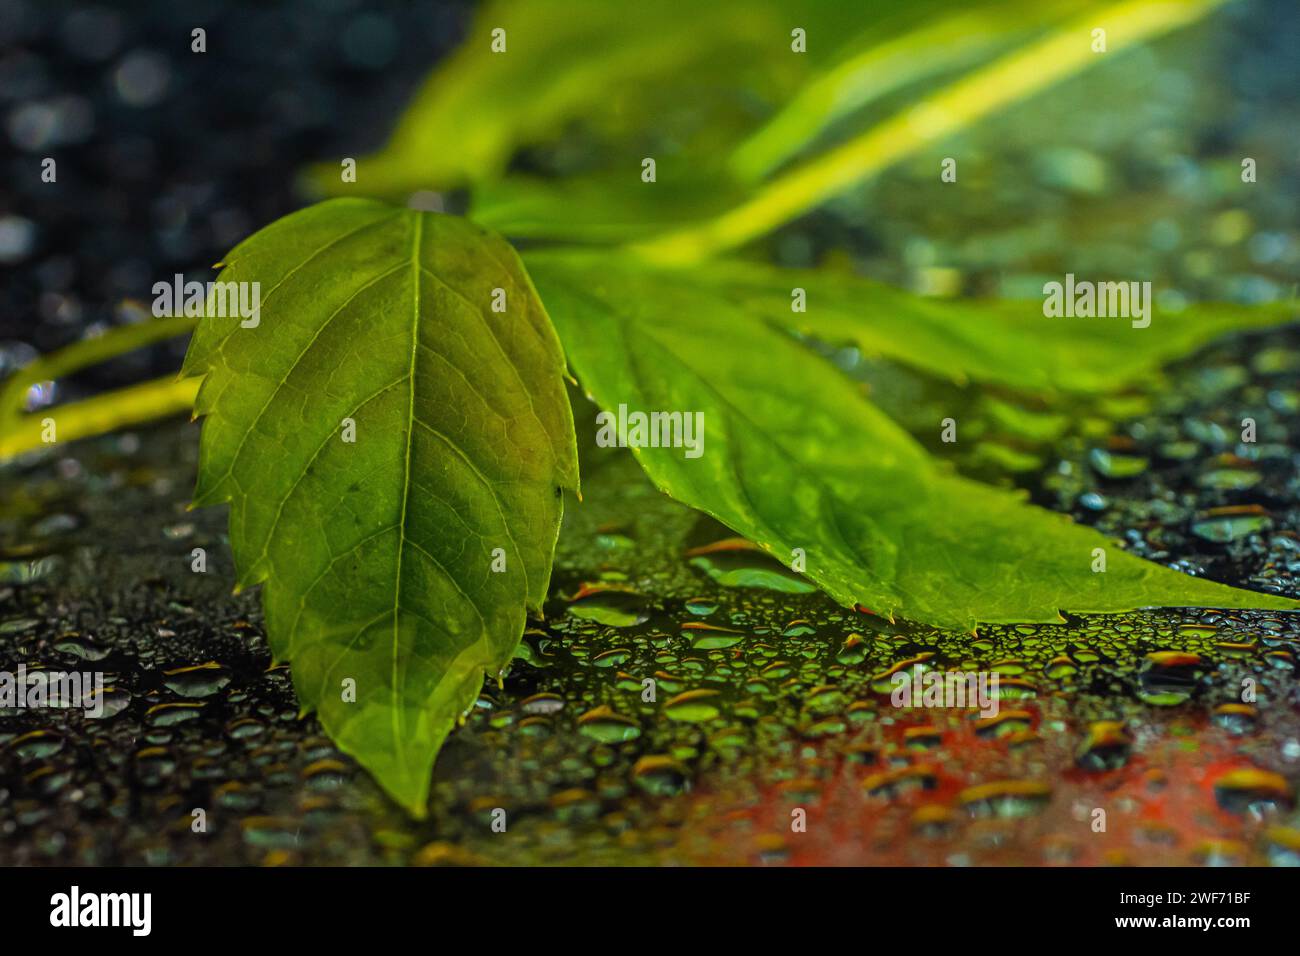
point(693, 706)
point(1005, 799)
point(701, 607)
point(1168, 678)
point(932, 821)
point(605, 604)
point(1106, 746)
point(1248, 791)
point(169, 715)
point(1238, 719)
point(326, 774)
point(737, 563)
point(660, 775)
point(199, 680)
point(82, 647)
point(36, 745)
point(602, 724)
point(542, 704)
point(1282, 846)
point(1228, 479)
point(1224, 525)
point(1117, 466)
point(153, 765)
point(1005, 724)
point(270, 832)
point(113, 700)
point(709, 637)
point(896, 783)
point(922, 738)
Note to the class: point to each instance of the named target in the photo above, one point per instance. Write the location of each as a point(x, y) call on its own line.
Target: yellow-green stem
point(133, 405)
point(87, 352)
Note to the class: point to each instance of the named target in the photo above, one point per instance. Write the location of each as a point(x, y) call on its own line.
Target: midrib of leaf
point(406, 467)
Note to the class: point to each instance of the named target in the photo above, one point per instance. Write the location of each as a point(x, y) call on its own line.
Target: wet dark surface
point(768, 698)
point(785, 706)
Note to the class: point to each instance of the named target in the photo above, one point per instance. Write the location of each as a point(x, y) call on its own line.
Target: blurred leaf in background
point(724, 97)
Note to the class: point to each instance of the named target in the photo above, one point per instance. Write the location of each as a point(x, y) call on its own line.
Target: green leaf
point(696, 119)
point(998, 342)
point(795, 457)
point(377, 554)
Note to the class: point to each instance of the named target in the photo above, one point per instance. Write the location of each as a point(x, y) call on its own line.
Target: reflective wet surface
point(1169, 737)
point(686, 698)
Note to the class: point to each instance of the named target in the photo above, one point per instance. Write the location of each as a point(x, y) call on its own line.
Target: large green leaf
point(794, 457)
point(377, 554)
point(997, 342)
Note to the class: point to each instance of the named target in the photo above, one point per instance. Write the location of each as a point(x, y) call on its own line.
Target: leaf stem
point(133, 405)
point(122, 408)
point(877, 69)
point(87, 352)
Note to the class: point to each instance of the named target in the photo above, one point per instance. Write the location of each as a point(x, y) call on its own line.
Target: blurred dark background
point(166, 158)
